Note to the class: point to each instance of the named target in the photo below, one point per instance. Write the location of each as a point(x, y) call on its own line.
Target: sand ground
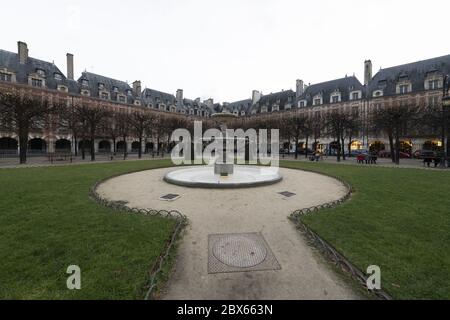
point(302, 276)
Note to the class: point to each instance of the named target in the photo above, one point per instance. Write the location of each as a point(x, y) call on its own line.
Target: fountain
point(224, 174)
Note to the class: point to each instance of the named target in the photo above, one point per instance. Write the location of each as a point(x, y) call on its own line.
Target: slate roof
point(10, 61)
point(153, 97)
point(416, 72)
point(109, 85)
point(344, 85)
point(239, 106)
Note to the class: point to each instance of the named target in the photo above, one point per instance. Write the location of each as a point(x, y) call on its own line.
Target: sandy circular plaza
point(292, 270)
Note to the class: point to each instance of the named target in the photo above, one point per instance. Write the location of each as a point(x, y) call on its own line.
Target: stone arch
point(104, 146)
point(37, 145)
point(8, 145)
point(63, 145)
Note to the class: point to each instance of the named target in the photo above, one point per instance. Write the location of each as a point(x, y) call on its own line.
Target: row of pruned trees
point(24, 112)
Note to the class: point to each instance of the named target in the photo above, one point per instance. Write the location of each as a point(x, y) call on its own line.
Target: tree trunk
point(23, 141)
point(397, 149)
point(140, 147)
point(114, 145)
point(76, 145)
point(391, 146)
point(297, 138)
point(306, 147)
point(124, 147)
point(343, 148)
point(338, 154)
point(92, 148)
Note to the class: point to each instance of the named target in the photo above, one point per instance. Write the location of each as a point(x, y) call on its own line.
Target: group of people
point(367, 158)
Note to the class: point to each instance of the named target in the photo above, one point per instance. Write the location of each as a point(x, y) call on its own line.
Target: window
point(85, 82)
point(317, 101)
point(40, 72)
point(403, 88)
point(302, 104)
point(122, 99)
point(104, 95)
point(433, 84)
point(378, 93)
point(58, 77)
point(115, 89)
point(36, 82)
point(101, 86)
point(5, 77)
point(355, 95)
point(335, 99)
point(433, 101)
point(129, 92)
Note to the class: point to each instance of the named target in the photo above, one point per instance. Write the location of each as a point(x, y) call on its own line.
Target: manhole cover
point(240, 251)
point(287, 194)
point(170, 197)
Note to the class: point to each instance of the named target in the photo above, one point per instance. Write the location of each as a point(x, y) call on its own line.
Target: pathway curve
point(302, 275)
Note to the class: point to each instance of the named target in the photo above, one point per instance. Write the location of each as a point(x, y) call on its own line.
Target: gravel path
point(302, 275)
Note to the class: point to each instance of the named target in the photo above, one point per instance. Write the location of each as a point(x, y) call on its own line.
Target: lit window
point(36, 82)
point(5, 77)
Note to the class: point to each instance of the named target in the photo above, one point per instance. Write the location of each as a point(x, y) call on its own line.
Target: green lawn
point(398, 219)
point(48, 222)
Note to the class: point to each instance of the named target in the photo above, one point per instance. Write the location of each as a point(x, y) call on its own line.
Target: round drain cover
point(239, 251)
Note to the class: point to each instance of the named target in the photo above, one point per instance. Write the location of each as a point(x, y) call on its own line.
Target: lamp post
point(445, 106)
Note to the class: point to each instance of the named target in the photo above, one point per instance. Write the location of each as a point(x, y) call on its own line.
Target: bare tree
point(123, 128)
point(140, 121)
point(335, 123)
point(91, 116)
point(396, 122)
point(23, 111)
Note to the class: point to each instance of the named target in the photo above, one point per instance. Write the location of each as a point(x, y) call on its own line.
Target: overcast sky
point(226, 48)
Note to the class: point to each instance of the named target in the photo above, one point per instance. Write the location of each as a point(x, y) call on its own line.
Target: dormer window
point(434, 84)
point(275, 108)
point(302, 104)
point(115, 89)
point(104, 95)
point(85, 82)
point(36, 82)
point(40, 72)
point(403, 88)
point(317, 101)
point(355, 95)
point(5, 77)
point(129, 93)
point(242, 113)
point(63, 88)
point(377, 93)
point(335, 99)
point(101, 86)
point(122, 99)
point(58, 77)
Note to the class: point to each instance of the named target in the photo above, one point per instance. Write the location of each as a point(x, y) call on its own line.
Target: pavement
point(303, 273)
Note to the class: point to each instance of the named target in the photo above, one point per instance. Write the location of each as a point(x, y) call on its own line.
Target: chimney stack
point(180, 96)
point(367, 72)
point(70, 73)
point(137, 88)
point(300, 88)
point(23, 52)
point(256, 96)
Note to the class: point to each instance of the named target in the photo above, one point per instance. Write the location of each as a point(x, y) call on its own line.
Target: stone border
point(181, 222)
point(327, 249)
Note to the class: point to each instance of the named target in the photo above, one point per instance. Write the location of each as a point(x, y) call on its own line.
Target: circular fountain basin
point(243, 177)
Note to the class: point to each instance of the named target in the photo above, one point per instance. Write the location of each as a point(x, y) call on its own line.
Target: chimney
point(300, 88)
point(70, 74)
point(137, 88)
point(256, 96)
point(367, 72)
point(23, 52)
point(180, 95)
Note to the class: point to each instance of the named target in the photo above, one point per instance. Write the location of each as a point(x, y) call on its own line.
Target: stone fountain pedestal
point(223, 169)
